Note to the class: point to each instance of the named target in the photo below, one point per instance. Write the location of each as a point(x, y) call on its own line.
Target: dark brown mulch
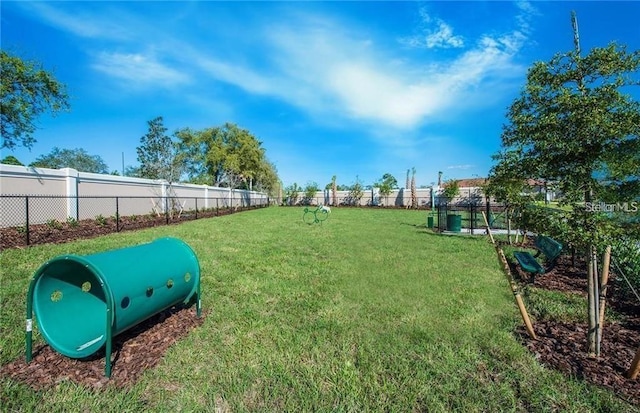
point(563, 346)
point(57, 232)
point(140, 348)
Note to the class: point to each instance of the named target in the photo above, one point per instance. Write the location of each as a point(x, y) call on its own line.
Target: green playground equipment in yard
point(315, 216)
point(82, 302)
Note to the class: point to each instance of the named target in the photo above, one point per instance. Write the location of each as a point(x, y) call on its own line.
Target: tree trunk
point(592, 288)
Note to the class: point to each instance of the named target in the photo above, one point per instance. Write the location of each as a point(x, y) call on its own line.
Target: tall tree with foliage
point(157, 153)
point(267, 180)
point(77, 159)
point(225, 156)
point(26, 92)
point(385, 185)
point(573, 125)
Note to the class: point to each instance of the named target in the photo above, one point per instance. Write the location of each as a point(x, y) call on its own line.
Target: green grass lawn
point(368, 311)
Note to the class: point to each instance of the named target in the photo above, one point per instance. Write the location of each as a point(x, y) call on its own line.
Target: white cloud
point(370, 93)
point(329, 69)
point(466, 166)
point(138, 69)
point(80, 23)
point(443, 37)
point(435, 33)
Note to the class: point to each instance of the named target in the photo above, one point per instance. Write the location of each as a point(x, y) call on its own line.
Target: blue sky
point(352, 89)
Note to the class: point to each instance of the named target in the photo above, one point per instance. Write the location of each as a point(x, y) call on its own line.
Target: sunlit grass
point(369, 311)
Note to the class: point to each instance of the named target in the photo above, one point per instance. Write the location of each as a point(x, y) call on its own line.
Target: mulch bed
point(563, 346)
point(134, 351)
point(57, 232)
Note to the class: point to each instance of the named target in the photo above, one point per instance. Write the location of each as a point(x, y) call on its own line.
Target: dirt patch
point(134, 351)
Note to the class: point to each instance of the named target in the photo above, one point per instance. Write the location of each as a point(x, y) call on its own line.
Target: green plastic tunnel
point(81, 302)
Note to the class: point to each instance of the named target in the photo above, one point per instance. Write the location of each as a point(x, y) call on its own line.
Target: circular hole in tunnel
point(56, 296)
point(86, 286)
point(170, 283)
point(149, 291)
point(187, 277)
point(125, 302)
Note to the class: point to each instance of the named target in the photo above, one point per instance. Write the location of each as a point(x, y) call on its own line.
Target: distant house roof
point(471, 182)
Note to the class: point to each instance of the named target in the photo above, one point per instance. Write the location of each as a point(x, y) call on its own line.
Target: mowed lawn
point(368, 311)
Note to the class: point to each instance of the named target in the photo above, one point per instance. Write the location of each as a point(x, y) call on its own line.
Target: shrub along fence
point(33, 219)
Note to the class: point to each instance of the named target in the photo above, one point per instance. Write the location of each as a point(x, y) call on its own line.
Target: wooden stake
point(596, 301)
point(606, 260)
point(488, 229)
point(516, 293)
point(635, 367)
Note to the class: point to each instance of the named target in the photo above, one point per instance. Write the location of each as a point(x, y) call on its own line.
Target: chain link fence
point(34, 219)
point(470, 215)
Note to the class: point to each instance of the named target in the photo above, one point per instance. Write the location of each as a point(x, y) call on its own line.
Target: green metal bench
point(546, 246)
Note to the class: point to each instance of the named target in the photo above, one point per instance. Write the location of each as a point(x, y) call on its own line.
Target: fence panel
point(25, 220)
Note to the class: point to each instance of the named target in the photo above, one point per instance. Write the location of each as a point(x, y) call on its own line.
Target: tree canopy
point(575, 127)
point(11, 160)
point(26, 92)
point(386, 184)
point(77, 159)
point(226, 156)
point(157, 153)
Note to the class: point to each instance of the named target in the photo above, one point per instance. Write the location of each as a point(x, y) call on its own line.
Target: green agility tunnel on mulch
point(82, 302)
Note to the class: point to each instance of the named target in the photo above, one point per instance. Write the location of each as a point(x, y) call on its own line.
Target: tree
point(334, 191)
point(26, 92)
point(11, 160)
point(355, 193)
point(266, 179)
point(291, 194)
point(225, 156)
point(385, 185)
point(451, 189)
point(574, 125)
point(133, 171)
point(77, 159)
point(414, 197)
point(157, 154)
point(310, 192)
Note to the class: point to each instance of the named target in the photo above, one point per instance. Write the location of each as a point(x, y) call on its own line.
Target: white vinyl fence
point(38, 195)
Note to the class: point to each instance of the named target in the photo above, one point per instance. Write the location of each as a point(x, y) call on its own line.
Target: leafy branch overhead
point(26, 92)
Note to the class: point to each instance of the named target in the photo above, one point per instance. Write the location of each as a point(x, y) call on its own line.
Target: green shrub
point(54, 224)
point(626, 259)
point(102, 221)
